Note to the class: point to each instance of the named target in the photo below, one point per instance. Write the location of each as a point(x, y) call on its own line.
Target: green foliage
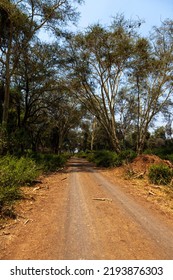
point(127, 155)
point(170, 157)
point(49, 162)
point(81, 154)
point(105, 158)
point(160, 174)
point(162, 152)
point(8, 195)
point(88, 154)
point(16, 172)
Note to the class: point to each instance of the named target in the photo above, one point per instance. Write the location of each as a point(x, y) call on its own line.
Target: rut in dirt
point(104, 222)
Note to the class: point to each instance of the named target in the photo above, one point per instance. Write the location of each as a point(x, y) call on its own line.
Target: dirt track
point(80, 214)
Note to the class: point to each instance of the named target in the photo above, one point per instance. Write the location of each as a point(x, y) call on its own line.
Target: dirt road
point(80, 214)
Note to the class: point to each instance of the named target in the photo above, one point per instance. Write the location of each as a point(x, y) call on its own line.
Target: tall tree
point(23, 19)
point(151, 80)
point(101, 58)
point(14, 28)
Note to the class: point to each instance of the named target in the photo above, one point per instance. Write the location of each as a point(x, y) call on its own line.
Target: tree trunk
point(7, 82)
point(7, 94)
point(113, 135)
point(114, 140)
point(93, 133)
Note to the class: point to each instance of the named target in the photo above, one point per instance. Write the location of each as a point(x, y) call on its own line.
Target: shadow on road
point(80, 165)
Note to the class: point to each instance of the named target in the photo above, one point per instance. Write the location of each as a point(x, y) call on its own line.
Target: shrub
point(15, 172)
point(8, 195)
point(91, 156)
point(160, 174)
point(170, 158)
point(53, 162)
point(49, 162)
point(81, 154)
point(105, 158)
point(162, 152)
point(127, 155)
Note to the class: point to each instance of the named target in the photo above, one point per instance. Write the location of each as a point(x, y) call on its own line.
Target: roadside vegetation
point(106, 158)
point(16, 172)
point(158, 174)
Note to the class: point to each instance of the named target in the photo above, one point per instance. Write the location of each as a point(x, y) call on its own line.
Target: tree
point(168, 128)
point(151, 80)
point(13, 25)
point(64, 115)
point(23, 20)
point(100, 58)
point(33, 81)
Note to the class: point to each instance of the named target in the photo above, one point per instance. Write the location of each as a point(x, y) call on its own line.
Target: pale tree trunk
point(111, 130)
point(115, 143)
point(93, 132)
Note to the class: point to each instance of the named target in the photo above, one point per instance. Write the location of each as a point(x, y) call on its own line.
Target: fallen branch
point(102, 199)
point(27, 221)
point(150, 193)
point(139, 175)
point(63, 179)
point(5, 233)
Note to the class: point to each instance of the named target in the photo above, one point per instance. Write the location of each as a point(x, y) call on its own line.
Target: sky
point(153, 12)
point(102, 11)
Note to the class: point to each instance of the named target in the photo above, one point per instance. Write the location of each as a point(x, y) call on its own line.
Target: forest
point(105, 88)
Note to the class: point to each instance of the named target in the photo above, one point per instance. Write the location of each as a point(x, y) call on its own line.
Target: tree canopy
point(106, 84)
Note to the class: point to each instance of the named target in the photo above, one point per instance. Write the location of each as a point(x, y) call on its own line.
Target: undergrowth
point(16, 172)
point(105, 158)
point(160, 174)
point(49, 162)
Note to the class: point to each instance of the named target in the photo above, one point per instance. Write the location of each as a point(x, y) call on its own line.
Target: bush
point(81, 154)
point(105, 158)
point(127, 155)
point(170, 158)
point(53, 162)
point(49, 162)
point(8, 195)
point(15, 172)
point(91, 156)
point(160, 174)
point(162, 152)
